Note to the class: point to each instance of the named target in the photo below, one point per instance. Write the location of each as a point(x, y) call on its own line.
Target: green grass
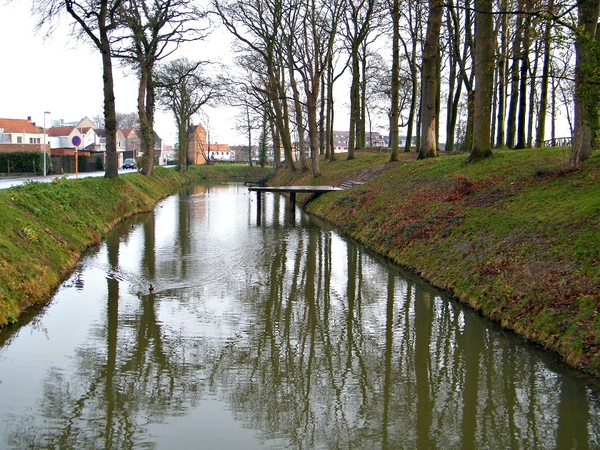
point(516, 236)
point(230, 172)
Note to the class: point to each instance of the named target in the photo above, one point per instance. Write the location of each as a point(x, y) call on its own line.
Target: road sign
point(76, 141)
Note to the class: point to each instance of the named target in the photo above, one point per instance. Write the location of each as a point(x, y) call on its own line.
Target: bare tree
point(96, 21)
point(410, 39)
point(184, 88)
point(257, 26)
point(541, 128)
point(358, 25)
point(395, 81)
point(252, 104)
point(290, 34)
point(311, 54)
point(128, 120)
point(156, 28)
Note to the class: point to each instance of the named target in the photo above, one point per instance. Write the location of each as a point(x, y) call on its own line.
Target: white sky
point(64, 76)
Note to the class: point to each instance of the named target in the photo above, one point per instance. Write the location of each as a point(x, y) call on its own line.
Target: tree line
point(494, 72)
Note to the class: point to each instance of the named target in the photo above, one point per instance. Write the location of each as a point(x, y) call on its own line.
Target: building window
point(19, 140)
point(34, 140)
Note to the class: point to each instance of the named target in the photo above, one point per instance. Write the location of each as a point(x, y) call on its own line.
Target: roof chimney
point(29, 118)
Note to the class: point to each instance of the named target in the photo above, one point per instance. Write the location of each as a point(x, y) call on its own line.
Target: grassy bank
point(516, 236)
point(229, 172)
point(46, 227)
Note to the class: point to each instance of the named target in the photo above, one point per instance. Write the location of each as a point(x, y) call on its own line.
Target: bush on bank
point(46, 227)
point(516, 236)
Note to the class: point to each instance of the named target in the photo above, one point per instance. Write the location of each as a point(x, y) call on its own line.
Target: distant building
point(219, 152)
point(197, 147)
point(340, 140)
point(20, 135)
point(168, 153)
point(132, 143)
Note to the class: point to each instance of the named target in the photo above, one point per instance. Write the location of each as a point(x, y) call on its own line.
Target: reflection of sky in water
point(276, 336)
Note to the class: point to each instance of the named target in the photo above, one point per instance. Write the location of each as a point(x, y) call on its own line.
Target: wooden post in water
point(258, 206)
point(292, 201)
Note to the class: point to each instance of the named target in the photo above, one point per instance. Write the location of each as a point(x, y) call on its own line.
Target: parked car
point(129, 163)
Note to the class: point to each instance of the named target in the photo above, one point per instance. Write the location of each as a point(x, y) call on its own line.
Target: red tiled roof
point(127, 131)
point(218, 147)
point(59, 131)
point(18, 126)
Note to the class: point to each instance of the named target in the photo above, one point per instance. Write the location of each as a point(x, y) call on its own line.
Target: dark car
point(129, 163)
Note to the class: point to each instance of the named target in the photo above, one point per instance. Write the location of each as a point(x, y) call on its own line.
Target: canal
point(281, 335)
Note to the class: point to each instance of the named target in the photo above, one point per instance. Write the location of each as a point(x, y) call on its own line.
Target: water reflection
point(281, 335)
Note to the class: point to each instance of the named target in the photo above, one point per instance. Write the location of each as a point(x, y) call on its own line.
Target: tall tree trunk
point(322, 111)
point(484, 77)
point(541, 128)
point(588, 12)
point(522, 109)
point(453, 34)
point(281, 114)
point(313, 132)
point(361, 134)
point(430, 81)
point(414, 20)
point(468, 78)
point(354, 103)
point(110, 112)
point(329, 114)
point(395, 84)
point(511, 129)
point(276, 143)
point(145, 104)
point(532, 106)
point(413, 105)
point(299, 113)
point(501, 87)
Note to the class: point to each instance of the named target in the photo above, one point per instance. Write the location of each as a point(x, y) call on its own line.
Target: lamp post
point(45, 112)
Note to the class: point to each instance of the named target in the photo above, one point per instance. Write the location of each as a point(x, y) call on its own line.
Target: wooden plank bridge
point(292, 191)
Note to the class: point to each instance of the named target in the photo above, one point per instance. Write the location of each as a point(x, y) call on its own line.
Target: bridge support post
point(258, 206)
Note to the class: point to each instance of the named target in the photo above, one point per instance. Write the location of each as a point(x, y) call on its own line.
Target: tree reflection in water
point(308, 340)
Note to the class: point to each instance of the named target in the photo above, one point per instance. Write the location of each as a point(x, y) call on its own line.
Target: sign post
point(76, 141)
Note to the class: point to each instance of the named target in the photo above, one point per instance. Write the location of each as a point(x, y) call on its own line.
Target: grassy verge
point(516, 236)
point(45, 227)
point(229, 172)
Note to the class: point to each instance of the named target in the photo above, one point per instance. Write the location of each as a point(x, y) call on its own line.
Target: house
point(159, 145)
point(132, 143)
point(340, 140)
point(20, 135)
point(168, 153)
point(197, 146)
point(93, 140)
point(219, 152)
point(62, 137)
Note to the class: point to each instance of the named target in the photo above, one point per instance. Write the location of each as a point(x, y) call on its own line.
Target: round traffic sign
point(76, 141)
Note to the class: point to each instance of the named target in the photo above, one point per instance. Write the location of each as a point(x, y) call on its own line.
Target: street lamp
point(45, 112)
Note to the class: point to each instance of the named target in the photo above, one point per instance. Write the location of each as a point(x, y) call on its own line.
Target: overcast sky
point(63, 76)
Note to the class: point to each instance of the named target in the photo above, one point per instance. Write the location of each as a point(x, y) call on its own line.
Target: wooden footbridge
point(292, 191)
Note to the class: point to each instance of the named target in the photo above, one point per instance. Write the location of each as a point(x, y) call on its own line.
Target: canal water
point(281, 335)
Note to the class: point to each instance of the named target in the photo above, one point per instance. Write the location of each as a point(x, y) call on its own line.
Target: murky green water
point(281, 335)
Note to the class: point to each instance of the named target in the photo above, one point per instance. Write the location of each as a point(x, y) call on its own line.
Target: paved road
point(17, 181)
